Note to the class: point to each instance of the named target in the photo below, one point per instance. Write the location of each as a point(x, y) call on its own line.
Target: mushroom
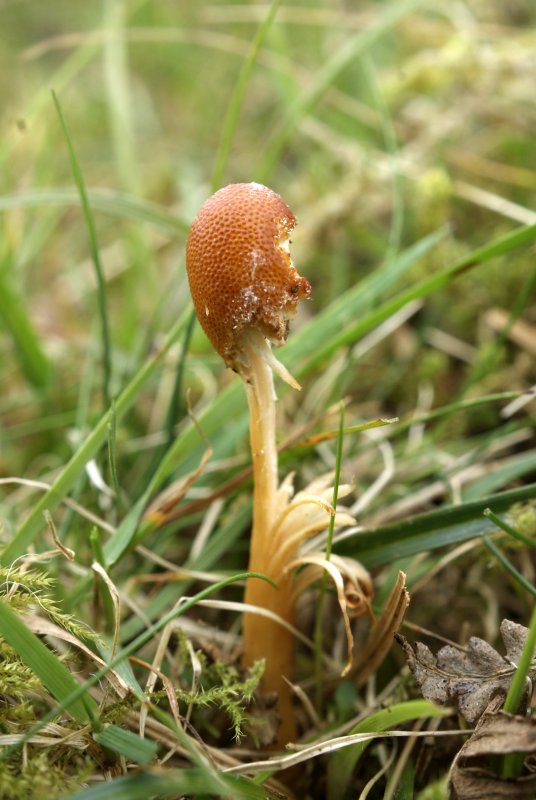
point(244, 285)
point(245, 290)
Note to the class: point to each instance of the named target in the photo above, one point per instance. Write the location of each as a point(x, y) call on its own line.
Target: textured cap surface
point(239, 267)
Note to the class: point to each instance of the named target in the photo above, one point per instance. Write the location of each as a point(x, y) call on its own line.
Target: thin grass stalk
point(95, 257)
point(87, 450)
point(515, 534)
point(231, 119)
point(318, 635)
point(509, 567)
point(326, 75)
point(82, 689)
point(513, 762)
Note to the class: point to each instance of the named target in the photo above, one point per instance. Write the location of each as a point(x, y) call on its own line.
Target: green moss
point(42, 775)
point(26, 589)
point(524, 519)
point(222, 688)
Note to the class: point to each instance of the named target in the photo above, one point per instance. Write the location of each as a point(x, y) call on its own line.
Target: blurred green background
point(378, 122)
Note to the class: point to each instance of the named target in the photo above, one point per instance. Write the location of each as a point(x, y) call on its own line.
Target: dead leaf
point(520, 332)
point(496, 734)
point(381, 636)
point(264, 719)
point(467, 678)
point(162, 509)
point(352, 583)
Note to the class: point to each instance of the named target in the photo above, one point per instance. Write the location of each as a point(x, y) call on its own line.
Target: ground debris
point(497, 733)
point(467, 678)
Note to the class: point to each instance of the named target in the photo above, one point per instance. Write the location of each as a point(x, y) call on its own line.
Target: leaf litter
point(468, 678)
point(497, 733)
point(475, 680)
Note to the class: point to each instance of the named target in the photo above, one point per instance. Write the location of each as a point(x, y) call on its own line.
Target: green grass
point(397, 133)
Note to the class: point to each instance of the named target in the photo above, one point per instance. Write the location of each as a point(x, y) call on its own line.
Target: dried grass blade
point(381, 637)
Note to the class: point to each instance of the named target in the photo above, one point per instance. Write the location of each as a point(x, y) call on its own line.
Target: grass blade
point(431, 530)
point(81, 690)
point(351, 333)
point(500, 523)
point(107, 201)
point(191, 782)
point(513, 762)
point(513, 470)
point(343, 762)
point(325, 76)
point(237, 98)
point(48, 668)
point(509, 567)
point(318, 630)
point(95, 255)
point(358, 302)
point(119, 105)
point(450, 408)
point(87, 450)
point(127, 744)
point(32, 358)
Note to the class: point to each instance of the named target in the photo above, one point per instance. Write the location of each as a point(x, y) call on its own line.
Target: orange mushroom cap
point(239, 268)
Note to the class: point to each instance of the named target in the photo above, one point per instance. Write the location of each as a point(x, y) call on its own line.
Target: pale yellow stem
point(261, 401)
point(264, 638)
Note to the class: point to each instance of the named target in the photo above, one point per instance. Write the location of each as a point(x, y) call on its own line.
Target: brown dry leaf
point(380, 640)
point(496, 734)
point(520, 332)
point(467, 678)
point(161, 511)
point(352, 584)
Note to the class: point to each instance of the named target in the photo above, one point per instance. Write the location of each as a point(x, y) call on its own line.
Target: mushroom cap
point(240, 270)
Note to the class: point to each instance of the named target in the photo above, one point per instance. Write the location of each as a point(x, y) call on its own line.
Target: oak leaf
point(467, 678)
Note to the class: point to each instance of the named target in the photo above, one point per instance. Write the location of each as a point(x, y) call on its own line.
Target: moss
point(59, 768)
point(524, 519)
point(42, 775)
point(222, 688)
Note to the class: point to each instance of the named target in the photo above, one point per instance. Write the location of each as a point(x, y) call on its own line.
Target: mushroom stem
point(264, 638)
point(261, 401)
